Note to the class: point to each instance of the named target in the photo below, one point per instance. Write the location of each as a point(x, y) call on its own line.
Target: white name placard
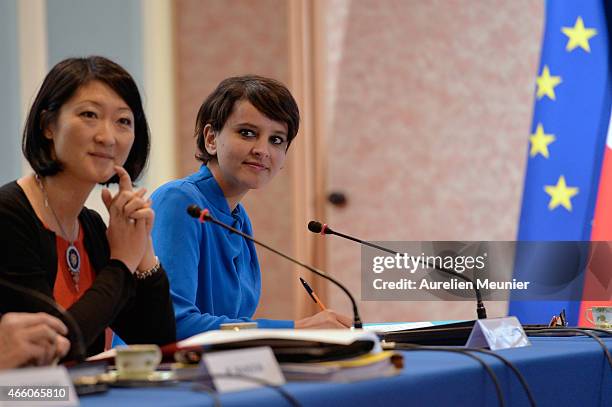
point(257, 363)
point(498, 333)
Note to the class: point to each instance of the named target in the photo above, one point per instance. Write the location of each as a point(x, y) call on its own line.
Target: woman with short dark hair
point(243, 131)
point(87, 127)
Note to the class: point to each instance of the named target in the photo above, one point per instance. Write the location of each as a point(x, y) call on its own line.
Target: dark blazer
point(139, 311)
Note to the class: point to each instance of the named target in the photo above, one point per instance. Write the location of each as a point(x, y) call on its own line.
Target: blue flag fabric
point(567, 141)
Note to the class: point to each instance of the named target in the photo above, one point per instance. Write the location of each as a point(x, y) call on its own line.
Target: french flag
point(598, 278)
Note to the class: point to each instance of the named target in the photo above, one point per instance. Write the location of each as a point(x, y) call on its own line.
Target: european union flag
point(568, 138)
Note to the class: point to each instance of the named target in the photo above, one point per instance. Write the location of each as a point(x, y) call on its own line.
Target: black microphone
point(324, 229)
point(204, 216)
point(17, 292)
point(318, 227)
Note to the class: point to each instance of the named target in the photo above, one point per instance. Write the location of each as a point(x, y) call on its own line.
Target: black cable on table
point(490, 372)
point(517, 373)
point(583, 331)
point(210, 391)
point(509, 364)
point(284, 393)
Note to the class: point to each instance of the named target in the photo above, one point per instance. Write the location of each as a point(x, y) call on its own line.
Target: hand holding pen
point(312, 294)
point(326, 318)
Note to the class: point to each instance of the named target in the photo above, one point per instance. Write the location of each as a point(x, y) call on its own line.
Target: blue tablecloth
point(560, 371)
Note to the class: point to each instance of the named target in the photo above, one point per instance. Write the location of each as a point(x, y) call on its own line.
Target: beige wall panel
point(428, 132)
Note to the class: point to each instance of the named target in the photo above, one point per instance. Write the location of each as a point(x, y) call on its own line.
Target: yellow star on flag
point(540, 141)
point(560, 194)
point(546, 84)
point(578, 36)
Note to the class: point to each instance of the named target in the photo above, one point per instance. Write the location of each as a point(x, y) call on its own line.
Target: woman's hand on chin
point(130, 222)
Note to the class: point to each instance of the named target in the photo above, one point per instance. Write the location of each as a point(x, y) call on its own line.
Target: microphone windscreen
point(194, 211)
point(315, 227)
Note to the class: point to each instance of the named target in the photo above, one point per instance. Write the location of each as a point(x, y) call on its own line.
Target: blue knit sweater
point(214, 274)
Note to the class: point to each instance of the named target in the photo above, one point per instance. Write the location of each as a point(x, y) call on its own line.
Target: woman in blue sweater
point(243, 130)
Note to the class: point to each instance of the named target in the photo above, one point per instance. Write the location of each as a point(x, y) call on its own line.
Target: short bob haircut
point(267, 95)
point(60, 84)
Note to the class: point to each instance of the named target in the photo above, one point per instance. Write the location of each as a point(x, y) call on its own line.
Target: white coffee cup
point(137, 360)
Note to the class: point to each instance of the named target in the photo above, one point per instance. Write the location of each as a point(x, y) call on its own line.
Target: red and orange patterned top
point(64, 290)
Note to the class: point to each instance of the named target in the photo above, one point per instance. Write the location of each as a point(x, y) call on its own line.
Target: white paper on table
point(332, 336)
point(404, 326)
point(111, 353)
